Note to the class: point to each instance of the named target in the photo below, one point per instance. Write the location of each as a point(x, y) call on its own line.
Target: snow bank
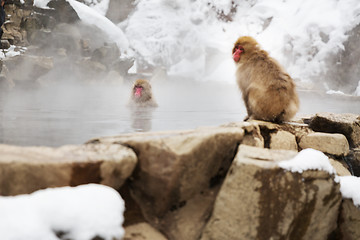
point(185, 35)
point(308, 159)
point(95, 16)
point(81, 212)
point(349, 187)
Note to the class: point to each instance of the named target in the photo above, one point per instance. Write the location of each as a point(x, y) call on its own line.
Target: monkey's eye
point(241, 49)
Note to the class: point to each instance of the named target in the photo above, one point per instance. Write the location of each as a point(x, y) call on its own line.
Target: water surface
point(73, 114)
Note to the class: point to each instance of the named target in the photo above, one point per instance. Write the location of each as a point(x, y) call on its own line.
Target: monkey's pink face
point(138, 91)
point(237, 53)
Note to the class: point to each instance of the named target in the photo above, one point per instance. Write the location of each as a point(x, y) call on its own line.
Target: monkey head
point(141, 90)
point(244, 45)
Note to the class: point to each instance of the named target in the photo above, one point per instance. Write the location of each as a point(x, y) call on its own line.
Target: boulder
point(122, 66)
point(28, 68)
point(252, 135)
point(346, 124)
point(27, 169)
point(118, 11)
point(282, 136)
point(331, 143)
point(63, 11)
point(4, 44)
point(260, 200)
point(15, 14)
point(178, 175)
point(340, 168)
point(283, 140)
point(349, 220)
point(355, 161)
point(142, 231)
point(106, 54)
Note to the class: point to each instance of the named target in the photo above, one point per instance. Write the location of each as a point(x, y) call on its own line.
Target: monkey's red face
point(138, 91)
point(237, 51)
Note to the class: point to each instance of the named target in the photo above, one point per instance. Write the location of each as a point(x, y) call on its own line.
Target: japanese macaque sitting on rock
point(141, 95)
point(267, 90)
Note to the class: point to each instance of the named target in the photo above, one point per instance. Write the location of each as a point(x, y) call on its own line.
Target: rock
point(12, 30)
point(353, 161)
point(31, 24)
point(67, 36)
point(106, 54)
point(178, 175)
point(90, 70)
point(331, 143)
point(119, 10)
point(356, 160)
point(28, 67)
point(142, 231)
point(5, 44)
point(349, 220)
point(27, 169)
point(259, 200)
point(63, 11)
point(283, 140)
point(252, 135)
point(31, 67)
point(346, 124)
point(339, 167)
point(282, 136)
point(122, 66)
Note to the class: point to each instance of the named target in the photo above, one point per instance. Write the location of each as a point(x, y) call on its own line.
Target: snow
point(349, 187)
point(100, 6)
point(83, 212)
point(308, 159)
point(194, 38)
point(94, 16)
point(300, 34)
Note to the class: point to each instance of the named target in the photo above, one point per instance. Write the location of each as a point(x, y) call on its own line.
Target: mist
point(74, 84)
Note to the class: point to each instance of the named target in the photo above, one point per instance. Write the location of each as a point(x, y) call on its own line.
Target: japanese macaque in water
point(141, 95)
point(268, 91)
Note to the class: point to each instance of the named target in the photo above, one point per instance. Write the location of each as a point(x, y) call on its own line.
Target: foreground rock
point(334, 144)
point(346, 124)
point(27, 169)
point(189, 184)
point(349, 221)
point(259, 200)
point(179, 173)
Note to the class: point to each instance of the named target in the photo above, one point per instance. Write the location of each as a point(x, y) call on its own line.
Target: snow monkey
point(141, 94)
point(267, 90)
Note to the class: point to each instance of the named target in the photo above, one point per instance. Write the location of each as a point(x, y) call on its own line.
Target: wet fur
point(147, 99)
point(268, 91)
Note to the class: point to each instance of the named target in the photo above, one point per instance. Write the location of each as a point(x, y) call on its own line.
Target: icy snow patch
point(308, 159)
point(80, 212)
point(349, 187)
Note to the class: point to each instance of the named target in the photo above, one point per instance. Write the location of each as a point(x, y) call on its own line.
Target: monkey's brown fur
point(268, 91)
point(146, 99)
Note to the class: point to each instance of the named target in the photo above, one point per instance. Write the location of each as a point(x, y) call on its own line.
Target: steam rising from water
point(73, 114)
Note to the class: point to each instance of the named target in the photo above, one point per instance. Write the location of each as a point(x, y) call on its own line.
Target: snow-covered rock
point(78, 213)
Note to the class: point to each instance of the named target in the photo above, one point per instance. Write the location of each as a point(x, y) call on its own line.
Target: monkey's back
point(268, 91)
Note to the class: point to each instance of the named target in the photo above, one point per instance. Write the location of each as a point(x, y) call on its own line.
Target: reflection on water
point(59, 115)
point(141, 118)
